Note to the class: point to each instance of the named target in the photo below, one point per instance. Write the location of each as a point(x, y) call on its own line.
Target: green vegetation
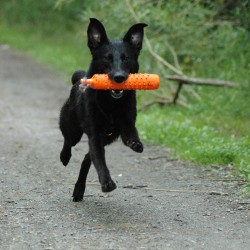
point(210, 38)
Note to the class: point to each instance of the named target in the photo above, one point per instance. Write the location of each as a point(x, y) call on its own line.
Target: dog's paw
point(108, 186)
point(135, 145)
point(77, 194)
point(65, 157)
point(77, 198)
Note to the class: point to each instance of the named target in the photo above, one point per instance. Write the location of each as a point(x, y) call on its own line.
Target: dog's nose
point(118, 78)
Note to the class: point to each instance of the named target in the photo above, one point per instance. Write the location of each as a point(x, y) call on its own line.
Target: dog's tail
point(79, 74)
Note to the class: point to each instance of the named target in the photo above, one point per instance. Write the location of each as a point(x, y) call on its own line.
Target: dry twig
point(144, 187)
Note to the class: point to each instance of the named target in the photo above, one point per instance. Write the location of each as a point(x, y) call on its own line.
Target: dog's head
point(116, 58)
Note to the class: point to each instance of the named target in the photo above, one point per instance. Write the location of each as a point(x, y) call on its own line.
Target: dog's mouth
point(117, 94)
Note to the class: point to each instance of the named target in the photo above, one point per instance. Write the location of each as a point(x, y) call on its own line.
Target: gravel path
point(160, 203)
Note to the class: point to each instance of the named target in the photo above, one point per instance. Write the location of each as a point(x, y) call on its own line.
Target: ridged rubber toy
point(134, 82)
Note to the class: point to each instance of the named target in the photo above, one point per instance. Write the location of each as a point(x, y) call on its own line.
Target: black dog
point(102, 114)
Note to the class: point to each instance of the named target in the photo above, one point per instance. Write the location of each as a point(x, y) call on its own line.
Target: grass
point(210, 132)
point(192, 138)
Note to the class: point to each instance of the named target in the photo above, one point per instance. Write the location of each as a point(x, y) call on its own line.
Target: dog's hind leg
point(69, 142)
point(71, 131)
point(81, 182)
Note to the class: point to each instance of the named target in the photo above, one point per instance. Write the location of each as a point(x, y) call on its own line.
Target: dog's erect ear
point(96, 34)
point(134, 36)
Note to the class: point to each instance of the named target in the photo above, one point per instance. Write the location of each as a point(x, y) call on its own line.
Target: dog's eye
point(124, 58)
point(109, 57)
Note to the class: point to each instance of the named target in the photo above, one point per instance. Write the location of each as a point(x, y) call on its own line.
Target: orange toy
point(134, 82)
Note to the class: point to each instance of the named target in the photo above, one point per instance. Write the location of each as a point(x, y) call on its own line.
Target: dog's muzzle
point(117, 94)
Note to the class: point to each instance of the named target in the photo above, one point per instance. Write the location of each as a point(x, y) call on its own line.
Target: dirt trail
point(36, 211)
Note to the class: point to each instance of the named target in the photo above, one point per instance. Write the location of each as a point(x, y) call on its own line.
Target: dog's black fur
point(103, 115)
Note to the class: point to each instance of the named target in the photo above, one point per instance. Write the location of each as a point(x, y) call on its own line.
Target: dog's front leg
point(97, 154)
point(130, 136)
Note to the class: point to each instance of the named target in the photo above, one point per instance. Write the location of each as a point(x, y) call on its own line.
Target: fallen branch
point(244, 202)
point(144, 187)
point(201, 81)
point(228, 180)
point(162, 103)
point(197, 81)
point(177, 93)
point(158, 157)
point(149, 104)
